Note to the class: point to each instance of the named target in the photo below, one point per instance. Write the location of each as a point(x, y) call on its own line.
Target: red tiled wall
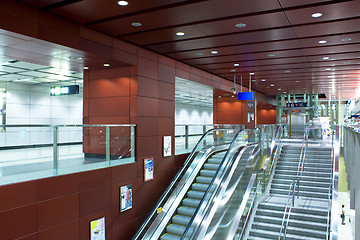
point(266, 116)
point(229, 111)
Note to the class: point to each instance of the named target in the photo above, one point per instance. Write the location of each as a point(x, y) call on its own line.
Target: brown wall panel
point(57, 210)
point(68, 230)
point(148, 68)
point(147, 126)
point(166, 91)
point(266, 116)
point(16, 195)
point(95, 200)
point(18, 222)
point(147, 107)
point(167, 73)
point(148, 87)
point(29, 237)
point(109, 107)
point(55, 187)
point(94, 179)
point(123, 172)
point(110, 87)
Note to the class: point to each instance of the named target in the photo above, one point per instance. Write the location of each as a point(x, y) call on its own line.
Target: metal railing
point(187, 135)
point(35, 151)
point(302, 160)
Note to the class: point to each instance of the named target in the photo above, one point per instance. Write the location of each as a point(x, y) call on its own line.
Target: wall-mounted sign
point(148, 169)
point(250, 105)
point(64, 90)
point(167, 146)
point(298, 104)
point(125, 197)
point(97, 229)
point(245, 96)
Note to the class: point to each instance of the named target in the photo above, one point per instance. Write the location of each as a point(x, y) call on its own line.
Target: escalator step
point(207, 173)
point(169, 236)
point(215, 160)
point(187, 211)
point(191, 202)
point(176, 229)
point(195, 194)
point(181, 219)
point(203, 179)
point(200, 187)
point(211, 166)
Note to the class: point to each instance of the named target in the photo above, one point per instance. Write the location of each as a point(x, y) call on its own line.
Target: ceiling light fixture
point(328, 69)
point(272, 85)
point(214, 52)
point(85, 68)
point(322, 41)
point(271, 55)
point(123, 3)
point(316, 15)
point(279, 89)
point(326, 58)
point(252, 74)
point(287, 71)
point(263, 80)
point(106, 65)
point(199, 54)
point(180, 34)
point(232, 70)
point(346, 39)
point(136, 24)
point(347, 62)
point(236, 64)
point(240, 25)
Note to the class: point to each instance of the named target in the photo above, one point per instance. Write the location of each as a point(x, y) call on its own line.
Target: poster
point(167, 146)
point(97, 229)
point(148, 169)
point(125, 198)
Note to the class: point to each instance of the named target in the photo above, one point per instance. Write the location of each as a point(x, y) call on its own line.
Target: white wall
point(32, 104)
point(192, 114)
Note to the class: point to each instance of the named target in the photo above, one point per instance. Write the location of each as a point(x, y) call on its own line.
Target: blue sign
point(245, 96)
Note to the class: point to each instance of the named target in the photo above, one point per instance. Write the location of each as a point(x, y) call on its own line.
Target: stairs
point(304, 223)
point(186, 209)
point(316, 177)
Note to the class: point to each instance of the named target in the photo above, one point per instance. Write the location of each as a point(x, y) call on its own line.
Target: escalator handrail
point(229, 163)
point(163, 198)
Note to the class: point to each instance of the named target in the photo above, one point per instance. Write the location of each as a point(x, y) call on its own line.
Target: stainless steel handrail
point(174, 182)
point(286, 209)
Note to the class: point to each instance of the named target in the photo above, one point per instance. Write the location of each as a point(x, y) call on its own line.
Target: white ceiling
point(187, 92)
point(12, 70)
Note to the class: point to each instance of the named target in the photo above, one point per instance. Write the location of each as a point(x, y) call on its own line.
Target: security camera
point(234, 90)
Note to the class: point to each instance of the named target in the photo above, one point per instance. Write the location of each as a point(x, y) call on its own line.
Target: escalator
point(221, 157)
point(192, 199)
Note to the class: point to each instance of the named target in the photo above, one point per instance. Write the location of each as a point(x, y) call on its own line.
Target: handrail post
point(186, 136)
point(107, 137)
point(204, 131)
point(55, 150)
point(132, 141)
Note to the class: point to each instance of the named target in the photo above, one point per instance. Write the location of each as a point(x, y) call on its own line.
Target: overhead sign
point(298, 104)
point(64, 90)
point(245, 96)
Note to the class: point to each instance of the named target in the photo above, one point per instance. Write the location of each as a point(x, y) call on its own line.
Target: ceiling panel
point(280, 42)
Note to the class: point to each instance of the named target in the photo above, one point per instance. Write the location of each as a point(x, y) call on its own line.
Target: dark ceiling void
point(312, 43)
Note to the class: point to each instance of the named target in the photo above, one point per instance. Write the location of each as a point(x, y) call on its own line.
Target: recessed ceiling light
point(263, 80)
point(284, 92)
point(322, 41)
point(240, 25)
point(214, 52)
point(232, 70)
point(106, 65)
point(297, 81)
point(236, 64)
point(316, 15)
point(123, 3)
point(346, 39)
point(271, 55)
point(199, 54)
point(180, 34)
point(252, 73)
point(279, 89)
point(85, 68)
point(272, 85)
point(347, 62)
point(326, 58)
point(287, 71)
point(219, 96)
point(328, 69)
point(136, 24)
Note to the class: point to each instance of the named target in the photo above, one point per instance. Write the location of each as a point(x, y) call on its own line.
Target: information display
point(298, 104)
point(97, 229)
point(125, 197)
point(148, 169)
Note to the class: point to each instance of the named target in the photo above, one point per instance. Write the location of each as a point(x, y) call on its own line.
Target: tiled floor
point(347, 231)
